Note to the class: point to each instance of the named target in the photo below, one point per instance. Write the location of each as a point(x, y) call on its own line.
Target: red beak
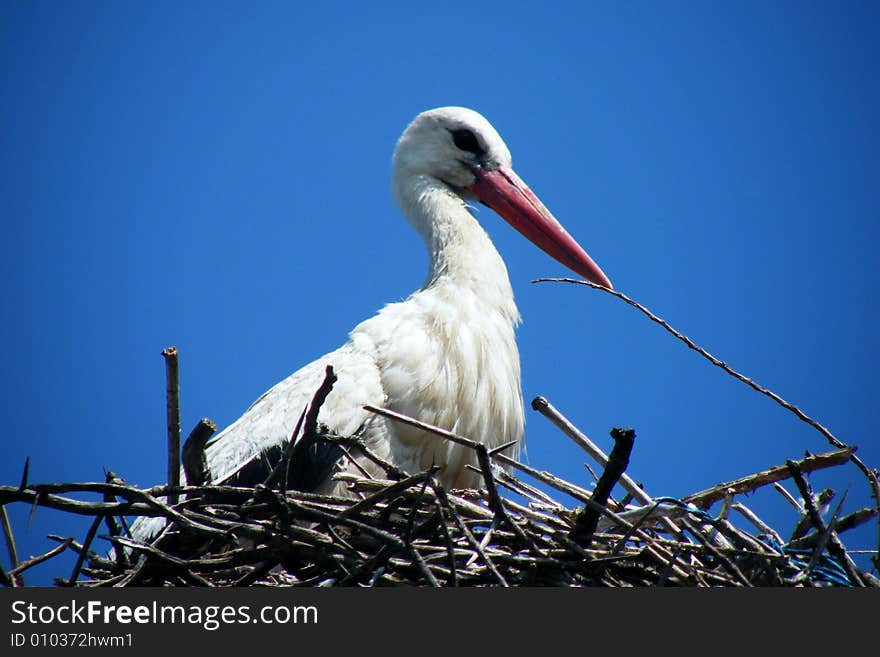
point(505, 192)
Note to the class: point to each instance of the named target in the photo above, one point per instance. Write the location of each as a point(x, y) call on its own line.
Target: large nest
point(412, 531)
point(405, 529)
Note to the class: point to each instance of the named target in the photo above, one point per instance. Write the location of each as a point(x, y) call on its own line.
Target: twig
point(33, 561)
point(37, 496)
point(548, 410)
point(482, 456)
point(351, 459)
point(441, 494)
point(576, 492)
point(587, 518)
point(706, 498)
point(311, 435)
point(725, 561)
point(390, 469)
point(447, 537)
point(180, 565)
point(172, 409)
point(318, 400)
point(668, 568)
point(424, 426)
point(388, 492)
point(283, 464)
point(761, 526)
point(742, 539)
point(835, 547)
point(715, 361)
point(90, 536)
point(503, 447)
point(788, 497)
point(95, 561)
point(24, 473)
point(545, 408)
point(535, 495)
point(10, 537)
point(726, 504)
point(113, 526)
point(495, 502)
point(540, 520)
point(429, 576)
point(871, 475)
point(846, 523)
point(660, 553)
point(803, 526)
point(823, 541)
point(195, 464)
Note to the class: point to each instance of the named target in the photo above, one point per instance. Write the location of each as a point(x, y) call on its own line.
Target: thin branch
point(835, 547)
point(181, 565)
point(429, 576)
point(824, 537)
point(24, 472)
point(548, 410)
point(723, 559)
point(10, 537)
point(195, 463)
point(90, 536)
point(172, 409)
point(712, 359)
point(871, 475)
point(33, 561)
point(788, 497)
point(447, 537)
point(389, 492)
point(150, 507)
point(356, 443)
point(95, 561)
point(495, 502)
point(706, 498)
point(284, 462)
point(587, 518)
point(311, 434)
point(468, 534)
point(846, 523)
point(576, 492)
point(753, 518)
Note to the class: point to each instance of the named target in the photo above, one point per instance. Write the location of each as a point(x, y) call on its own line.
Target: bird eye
point(467, 141)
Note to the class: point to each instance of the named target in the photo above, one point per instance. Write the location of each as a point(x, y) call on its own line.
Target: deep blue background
point(216, 176)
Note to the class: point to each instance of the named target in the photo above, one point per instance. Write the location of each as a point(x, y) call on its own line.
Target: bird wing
point(270, 421)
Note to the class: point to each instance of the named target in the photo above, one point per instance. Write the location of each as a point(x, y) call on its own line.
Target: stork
point(447, 355)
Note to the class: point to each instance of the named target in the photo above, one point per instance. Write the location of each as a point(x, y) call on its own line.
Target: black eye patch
point(467, 141)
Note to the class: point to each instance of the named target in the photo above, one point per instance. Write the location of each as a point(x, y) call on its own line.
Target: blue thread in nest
point(826, 569)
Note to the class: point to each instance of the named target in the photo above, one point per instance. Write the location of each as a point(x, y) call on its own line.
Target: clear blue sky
point(216, 176)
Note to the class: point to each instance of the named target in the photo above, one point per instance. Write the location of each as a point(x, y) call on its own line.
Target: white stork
point(446, 355)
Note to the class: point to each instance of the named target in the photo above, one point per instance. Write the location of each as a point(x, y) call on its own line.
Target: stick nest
point(411, 531)
point(407, 530)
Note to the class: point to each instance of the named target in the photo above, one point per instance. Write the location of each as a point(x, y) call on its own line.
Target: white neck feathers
point(462, 255)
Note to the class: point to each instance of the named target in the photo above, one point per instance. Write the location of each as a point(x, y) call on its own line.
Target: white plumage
point(446, 355)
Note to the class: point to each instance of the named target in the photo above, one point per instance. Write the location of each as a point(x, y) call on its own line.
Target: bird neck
point(462, 255)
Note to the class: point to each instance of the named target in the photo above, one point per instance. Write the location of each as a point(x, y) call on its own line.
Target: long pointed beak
point(505, 192)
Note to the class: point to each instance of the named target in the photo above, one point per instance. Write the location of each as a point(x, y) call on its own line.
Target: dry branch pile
point(407, 530)
point(412, 531)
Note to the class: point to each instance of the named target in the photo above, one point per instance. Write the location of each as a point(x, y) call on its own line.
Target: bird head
point(459, 148)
